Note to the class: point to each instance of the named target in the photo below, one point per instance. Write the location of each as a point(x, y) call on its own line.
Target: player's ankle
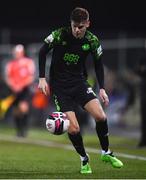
point(84, 159)
point(105, 152)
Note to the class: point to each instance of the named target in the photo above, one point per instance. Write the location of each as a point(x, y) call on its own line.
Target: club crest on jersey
point(85, 47)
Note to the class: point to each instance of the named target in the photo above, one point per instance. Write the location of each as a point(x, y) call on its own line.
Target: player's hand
point(43, 86)
point(104, 97)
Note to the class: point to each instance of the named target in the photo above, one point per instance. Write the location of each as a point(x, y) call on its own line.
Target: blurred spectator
point(141, 71)
point(19, 74)
point(122, 95)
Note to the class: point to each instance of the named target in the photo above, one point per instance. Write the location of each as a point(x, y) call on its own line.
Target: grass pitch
point(25, 159)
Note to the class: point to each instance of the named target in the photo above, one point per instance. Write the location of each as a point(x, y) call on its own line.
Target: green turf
point(28, 161)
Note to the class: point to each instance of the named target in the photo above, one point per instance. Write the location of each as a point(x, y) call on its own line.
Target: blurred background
point(121, 29)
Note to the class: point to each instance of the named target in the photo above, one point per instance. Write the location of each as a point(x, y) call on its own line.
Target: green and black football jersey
point(69, 56)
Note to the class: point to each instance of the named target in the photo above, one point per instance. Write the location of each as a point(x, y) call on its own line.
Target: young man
point(69, 87)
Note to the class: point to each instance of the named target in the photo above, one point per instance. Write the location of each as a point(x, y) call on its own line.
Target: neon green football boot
point(116, 163)
point(85, 166)
point(86, 169)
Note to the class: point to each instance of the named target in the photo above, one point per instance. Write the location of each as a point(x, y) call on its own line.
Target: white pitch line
point(64, 146)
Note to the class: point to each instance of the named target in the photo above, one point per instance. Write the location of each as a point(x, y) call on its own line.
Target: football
point(57, 123)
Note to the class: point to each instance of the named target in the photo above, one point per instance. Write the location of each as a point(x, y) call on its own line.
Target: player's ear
point(88, 24)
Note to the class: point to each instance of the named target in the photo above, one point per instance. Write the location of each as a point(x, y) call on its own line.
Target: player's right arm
point(43, 86)
point(49, 43)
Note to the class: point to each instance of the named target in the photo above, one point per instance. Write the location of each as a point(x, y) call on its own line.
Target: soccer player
point(68, 81)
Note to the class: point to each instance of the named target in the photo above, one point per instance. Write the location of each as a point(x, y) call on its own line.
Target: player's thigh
point(74, 126)
point(95, 109)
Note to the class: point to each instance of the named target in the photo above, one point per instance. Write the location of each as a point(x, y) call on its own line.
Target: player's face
point(79, 29)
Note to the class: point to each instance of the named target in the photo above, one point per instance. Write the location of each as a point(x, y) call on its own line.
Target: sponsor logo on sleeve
point(99, 50)
point(49, 39)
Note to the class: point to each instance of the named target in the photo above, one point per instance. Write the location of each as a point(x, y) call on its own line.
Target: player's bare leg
point(95, 109)
point(77, 141)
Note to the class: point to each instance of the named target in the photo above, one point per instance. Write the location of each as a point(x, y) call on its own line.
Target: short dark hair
point(79, 15)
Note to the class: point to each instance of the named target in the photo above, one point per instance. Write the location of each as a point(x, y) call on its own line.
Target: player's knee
point(101, 117)
point(74, 129)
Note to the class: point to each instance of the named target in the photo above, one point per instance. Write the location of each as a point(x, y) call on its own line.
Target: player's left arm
point(99, 70)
